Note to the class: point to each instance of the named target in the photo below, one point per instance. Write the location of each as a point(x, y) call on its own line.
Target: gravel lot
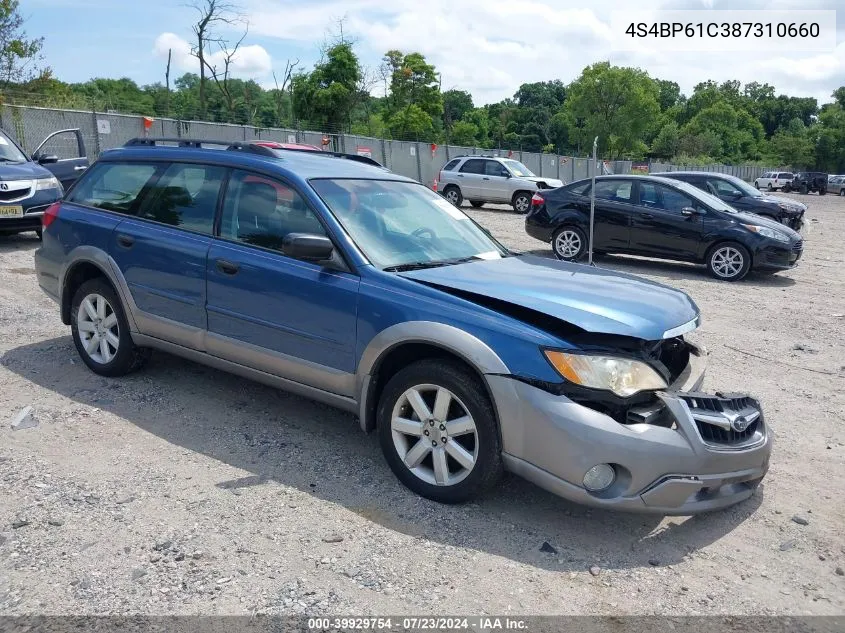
point(184, 490)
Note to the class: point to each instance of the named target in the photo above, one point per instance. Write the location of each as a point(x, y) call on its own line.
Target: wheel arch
point(404, 343)
point(88, 262)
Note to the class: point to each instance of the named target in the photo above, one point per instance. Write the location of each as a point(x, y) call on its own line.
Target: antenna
point(593, 200)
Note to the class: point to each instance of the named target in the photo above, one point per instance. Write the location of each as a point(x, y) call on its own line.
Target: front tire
point(729, 261)
point(438, 431)
point(822, 191)
point(476, 204)
point(842, 192)
point(453, 195)
point(569, 243)
point(770, 188)
point(521, 202)
point(804, 189)
point(101, 332)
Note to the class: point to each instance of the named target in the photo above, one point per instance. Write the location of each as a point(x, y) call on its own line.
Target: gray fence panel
point(30, 126)
point(531, 160)
point(403, 158)
point(581, 167)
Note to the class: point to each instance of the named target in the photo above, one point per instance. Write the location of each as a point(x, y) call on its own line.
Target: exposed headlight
point(622, 376)
point(788, 207)
point(42, 184)
point(767, 232)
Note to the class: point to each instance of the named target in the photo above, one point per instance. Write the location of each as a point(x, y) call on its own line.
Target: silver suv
point(481, 179)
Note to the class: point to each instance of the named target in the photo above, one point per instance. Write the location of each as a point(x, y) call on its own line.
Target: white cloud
point(490, 47)
point(250, 62)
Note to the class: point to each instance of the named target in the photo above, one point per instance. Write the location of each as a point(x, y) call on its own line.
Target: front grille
point(723, 404)
point(798, 247)
point(9, 196)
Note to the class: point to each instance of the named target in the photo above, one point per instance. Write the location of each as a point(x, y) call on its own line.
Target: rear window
point(581, 188)
point(113, 186)
point(452, 164)
point(785, 176)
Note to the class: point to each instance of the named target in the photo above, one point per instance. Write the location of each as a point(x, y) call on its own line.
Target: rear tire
point(729, 261)
point(842, 192)
point(770, 188)
point(454, 449)
point(476, 204)
point(101, 332)
point(822, 191)
point(804, 189)
point(569, 243)
point(521, 202)
point(453, 195)
point(39, 233)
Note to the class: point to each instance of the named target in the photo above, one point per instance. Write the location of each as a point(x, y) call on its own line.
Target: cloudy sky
point(488, 47)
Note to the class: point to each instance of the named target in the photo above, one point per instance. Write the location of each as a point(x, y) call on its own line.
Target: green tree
point(456, 103)
point(792, 146)
point(411, 123)
point(668, 141)
point(413, 84)
point(616, 104)
point(738, 132)
point(327, 94)
point(19, 55)
point(465, 133)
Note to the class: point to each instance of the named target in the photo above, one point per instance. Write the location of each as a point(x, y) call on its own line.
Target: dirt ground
point(184, 490)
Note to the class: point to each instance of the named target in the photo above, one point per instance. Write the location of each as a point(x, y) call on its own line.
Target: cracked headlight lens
point(622, 376)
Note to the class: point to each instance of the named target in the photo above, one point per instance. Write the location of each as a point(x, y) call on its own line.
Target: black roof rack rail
point(240, 146)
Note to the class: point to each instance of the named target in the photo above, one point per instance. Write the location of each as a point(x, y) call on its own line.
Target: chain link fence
point(30, 125)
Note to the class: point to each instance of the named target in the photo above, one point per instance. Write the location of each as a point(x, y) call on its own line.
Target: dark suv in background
point(808, 181)
point(744, 197)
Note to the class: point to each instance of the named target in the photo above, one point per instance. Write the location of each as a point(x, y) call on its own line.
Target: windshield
point(743, 186)
point(403, 223)
point(717, 204)
point(518, 169)
point(9, 152)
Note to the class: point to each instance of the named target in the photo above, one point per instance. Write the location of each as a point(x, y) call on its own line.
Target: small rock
point(822, 557)
point(800, 520)
point(595, 570)
point(332, 538)
point(196, 555)
point(653, 562)
point(787, 545)
point(154, 558)
point(324, 561)
point(124, 499)
point(840, 571)
point(224, 580)
point(24, 420)
point(138, 573)
point(164, 589)
point(778, 512)
point(85, 583)
point(162, 545)
point(180, 556)
point(2, 539)
point(547, 548)
point(803, 347)
point(684, 588)
point(16, 525)
point(351, 572)
point(55, 522)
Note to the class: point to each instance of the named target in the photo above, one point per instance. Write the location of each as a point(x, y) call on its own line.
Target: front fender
point(452, 339)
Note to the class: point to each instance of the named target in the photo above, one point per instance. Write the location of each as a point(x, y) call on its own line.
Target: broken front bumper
point(713, 452)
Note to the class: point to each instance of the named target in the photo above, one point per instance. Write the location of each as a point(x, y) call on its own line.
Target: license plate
point(11, 212)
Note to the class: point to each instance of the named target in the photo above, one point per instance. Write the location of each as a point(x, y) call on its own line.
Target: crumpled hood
point(554, 183)
point(22, 171)
point(775, 201)
point(593, 299)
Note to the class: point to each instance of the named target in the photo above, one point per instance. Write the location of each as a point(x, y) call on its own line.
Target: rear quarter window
point(452, 164)
point(113, 186)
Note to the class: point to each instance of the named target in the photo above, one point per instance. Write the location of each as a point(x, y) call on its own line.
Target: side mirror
point(691, 211)
point(736, 195)
point(45, 159)
point(507, 174)
point(313, 248)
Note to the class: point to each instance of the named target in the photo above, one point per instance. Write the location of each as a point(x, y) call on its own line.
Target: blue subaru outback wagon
point(338, 280)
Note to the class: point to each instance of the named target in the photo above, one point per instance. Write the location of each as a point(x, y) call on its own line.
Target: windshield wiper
point(435, 263)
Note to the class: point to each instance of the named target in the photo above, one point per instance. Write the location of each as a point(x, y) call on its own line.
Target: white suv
point(481, 179)
point(772, 180)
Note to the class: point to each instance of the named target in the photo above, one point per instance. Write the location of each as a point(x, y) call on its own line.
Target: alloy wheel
point(727, 262)
point(452, 196)
point(434, 435)
point(98, 328)
point(522, 203)
point(568, 244)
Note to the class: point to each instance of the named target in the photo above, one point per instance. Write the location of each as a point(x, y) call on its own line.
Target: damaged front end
point(672, 451)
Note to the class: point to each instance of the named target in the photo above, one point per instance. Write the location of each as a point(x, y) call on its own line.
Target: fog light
point(599, 477)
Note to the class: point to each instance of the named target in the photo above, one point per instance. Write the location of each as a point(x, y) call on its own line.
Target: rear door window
point(473, 166)
point(614, 190)
point(114, 186)
point(185, 196)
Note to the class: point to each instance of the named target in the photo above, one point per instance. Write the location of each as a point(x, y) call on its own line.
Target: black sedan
point(743, 197)
point(665, 218)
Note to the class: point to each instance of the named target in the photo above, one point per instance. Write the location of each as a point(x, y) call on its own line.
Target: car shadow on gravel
point(279, 438)
point(672, 271)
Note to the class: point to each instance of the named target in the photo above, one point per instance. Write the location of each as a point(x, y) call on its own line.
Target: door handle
point(80, 168)
point(227, 268)
point(647, 216)
point(460, 175)
point(485, 178)
point(126, 241)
